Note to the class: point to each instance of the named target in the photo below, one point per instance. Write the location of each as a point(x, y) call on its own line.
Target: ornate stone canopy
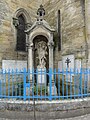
point(40, 28)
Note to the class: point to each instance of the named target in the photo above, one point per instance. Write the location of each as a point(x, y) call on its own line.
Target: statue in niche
point(42, 52)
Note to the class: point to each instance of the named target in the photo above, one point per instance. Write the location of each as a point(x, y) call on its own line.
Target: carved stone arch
point(21, 40)
point(24, 13)
point(40, 42)
point(37, 34)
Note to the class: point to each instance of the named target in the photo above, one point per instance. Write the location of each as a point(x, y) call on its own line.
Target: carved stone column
point(50, 45)
point(54, 89)
point(30, 58)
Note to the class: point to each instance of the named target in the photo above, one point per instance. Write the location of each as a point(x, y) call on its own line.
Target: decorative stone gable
point(40, 28)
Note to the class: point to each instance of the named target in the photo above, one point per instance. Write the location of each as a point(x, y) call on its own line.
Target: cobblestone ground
point(84, 117)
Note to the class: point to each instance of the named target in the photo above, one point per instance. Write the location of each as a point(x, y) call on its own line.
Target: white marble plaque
point(60, 65)
point(13, 65)
point(69, 77)
point(68, 62)
point(54, 89)
point(78, 64)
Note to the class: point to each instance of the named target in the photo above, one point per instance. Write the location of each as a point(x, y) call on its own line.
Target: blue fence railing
point(44, 84)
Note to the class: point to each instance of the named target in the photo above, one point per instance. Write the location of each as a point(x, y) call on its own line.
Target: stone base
point(53, 89)
point(29, 91)
point(41, 79)
point(69, 77)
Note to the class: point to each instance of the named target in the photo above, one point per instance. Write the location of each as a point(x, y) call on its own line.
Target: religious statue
point(42, 52)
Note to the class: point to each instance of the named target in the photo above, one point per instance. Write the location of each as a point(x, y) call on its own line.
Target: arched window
point(21, 36)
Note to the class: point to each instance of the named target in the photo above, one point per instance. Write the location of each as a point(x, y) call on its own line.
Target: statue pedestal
point(53, 89)
point(41, 77)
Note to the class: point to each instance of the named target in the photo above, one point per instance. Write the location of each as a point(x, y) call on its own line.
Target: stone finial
point(40, 12)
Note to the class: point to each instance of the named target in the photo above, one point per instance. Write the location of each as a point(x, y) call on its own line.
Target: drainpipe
point(85, 33)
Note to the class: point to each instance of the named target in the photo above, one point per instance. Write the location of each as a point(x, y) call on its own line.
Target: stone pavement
point(84, 117)
point(46, 110)
point(7, 117)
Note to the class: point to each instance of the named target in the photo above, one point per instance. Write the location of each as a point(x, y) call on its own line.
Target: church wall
point(87, 11)
point(7, 29)
point(72, 26)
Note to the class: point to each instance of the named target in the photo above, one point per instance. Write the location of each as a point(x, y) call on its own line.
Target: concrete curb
point(46, 110)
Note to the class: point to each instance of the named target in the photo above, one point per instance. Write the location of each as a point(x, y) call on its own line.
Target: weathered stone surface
point(46, 110)
point(72, 25)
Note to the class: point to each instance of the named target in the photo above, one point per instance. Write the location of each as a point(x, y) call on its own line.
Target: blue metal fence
point(44, 84)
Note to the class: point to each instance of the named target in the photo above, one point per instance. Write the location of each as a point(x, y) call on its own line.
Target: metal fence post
point(80, 92)
point(50, 81)
point(0, 87)
point(24, 85)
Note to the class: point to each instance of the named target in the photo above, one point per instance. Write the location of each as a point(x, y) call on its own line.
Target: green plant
point(40, 90)
point(20, 88)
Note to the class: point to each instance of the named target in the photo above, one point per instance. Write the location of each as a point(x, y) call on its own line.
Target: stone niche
point(41, 52)
point(40, 47)
point(41, 57)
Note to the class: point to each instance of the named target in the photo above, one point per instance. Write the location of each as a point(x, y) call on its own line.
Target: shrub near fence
point(69, 84)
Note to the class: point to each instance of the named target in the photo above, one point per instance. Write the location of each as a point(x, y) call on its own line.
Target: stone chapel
point(44, 34)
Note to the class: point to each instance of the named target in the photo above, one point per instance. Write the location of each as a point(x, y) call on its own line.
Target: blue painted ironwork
point(24, 84)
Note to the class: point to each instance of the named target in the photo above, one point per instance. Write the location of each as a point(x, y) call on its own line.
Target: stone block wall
point(72, 25)
point(87, 14)
point(7, 29)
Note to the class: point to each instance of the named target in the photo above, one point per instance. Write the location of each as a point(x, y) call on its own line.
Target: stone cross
point(67, 61)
